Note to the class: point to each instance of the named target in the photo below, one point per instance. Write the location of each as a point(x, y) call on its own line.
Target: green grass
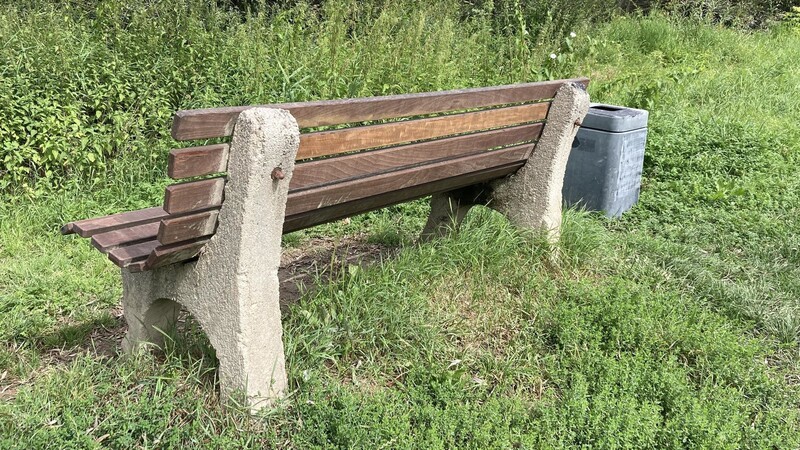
point(676, 326)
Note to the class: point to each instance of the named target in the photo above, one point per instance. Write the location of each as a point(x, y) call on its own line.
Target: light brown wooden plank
point(219, 122)
point(184, 228)
point(170, 254)
point(326, 143)
point(348, 191)
point(110, 240)
point(89, 227)
point(123, 256)
point(342, 168)
point(197, 161)
point(194, 195)
point(319, 216)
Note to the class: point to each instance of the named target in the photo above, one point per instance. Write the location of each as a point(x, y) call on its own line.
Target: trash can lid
point(616, 119)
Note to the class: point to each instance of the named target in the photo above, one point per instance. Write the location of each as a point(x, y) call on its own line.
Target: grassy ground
point(676, 326)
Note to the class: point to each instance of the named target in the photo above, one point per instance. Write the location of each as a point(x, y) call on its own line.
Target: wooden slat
point(110, 240)
point(324, 171)
point(184, 228)
point(194, 195)
point(326, 143)
point(370, 186)
point(319, 216)
point(89, 227)
point(219, 122)
point(123, 256)
point(170, 254)
point(197, 161)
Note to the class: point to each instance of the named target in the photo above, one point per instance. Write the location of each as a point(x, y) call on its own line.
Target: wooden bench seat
point(276, 172)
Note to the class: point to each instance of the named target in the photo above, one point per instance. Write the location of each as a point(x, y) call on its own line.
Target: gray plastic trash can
point(604, 171)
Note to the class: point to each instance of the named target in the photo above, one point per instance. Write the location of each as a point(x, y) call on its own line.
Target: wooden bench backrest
point(432, 142)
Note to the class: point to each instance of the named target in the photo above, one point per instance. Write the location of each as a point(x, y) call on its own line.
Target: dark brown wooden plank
point(184, 228)
point(319, 216)
point(170, 254)
point(342, 168)
point(219, 122)
point(194, 195)
point(110, 240)
point(326, 143)
point(348, 191)
point(90, 227)
point(197, 161)
point(123, 256)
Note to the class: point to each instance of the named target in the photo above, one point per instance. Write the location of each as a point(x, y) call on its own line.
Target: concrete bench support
point(531, 197)
point(232, 289)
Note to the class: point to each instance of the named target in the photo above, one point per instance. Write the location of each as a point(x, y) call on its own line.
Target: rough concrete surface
point(232, 289)
point(531, 198)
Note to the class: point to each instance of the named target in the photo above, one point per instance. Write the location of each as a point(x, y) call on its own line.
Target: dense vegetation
point(676, 326)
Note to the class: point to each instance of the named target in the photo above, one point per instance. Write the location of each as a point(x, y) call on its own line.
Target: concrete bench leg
point(531, 198)
point(448, 210)
point(232, 289)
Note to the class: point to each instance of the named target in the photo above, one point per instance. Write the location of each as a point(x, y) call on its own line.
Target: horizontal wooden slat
point(184, 228)
point(110, 240)
point(123, 256)
point(326, 143)
point(90, 227)
point(319, 216)
point(170, 254)
point(342, 168)
point(219, 122)
point(194, 195)
point(197, 161)
point(348, 191)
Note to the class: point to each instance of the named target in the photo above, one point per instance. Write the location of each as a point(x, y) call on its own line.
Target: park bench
point(214, 245)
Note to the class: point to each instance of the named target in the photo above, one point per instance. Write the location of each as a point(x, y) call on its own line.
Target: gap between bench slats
point(342, 168)
point(325, 143)
point(219, 122)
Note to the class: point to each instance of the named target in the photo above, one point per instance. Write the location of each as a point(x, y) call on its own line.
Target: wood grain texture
point(219, 122)
point(89, 227)
point(319, 216)
point(325, 171)
point(111, 240)
point(194, 196)
point(123, 256)
point(189, 227)
point(348, 191)
point(325, 143)
point(197, 161)
point(170, 254)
